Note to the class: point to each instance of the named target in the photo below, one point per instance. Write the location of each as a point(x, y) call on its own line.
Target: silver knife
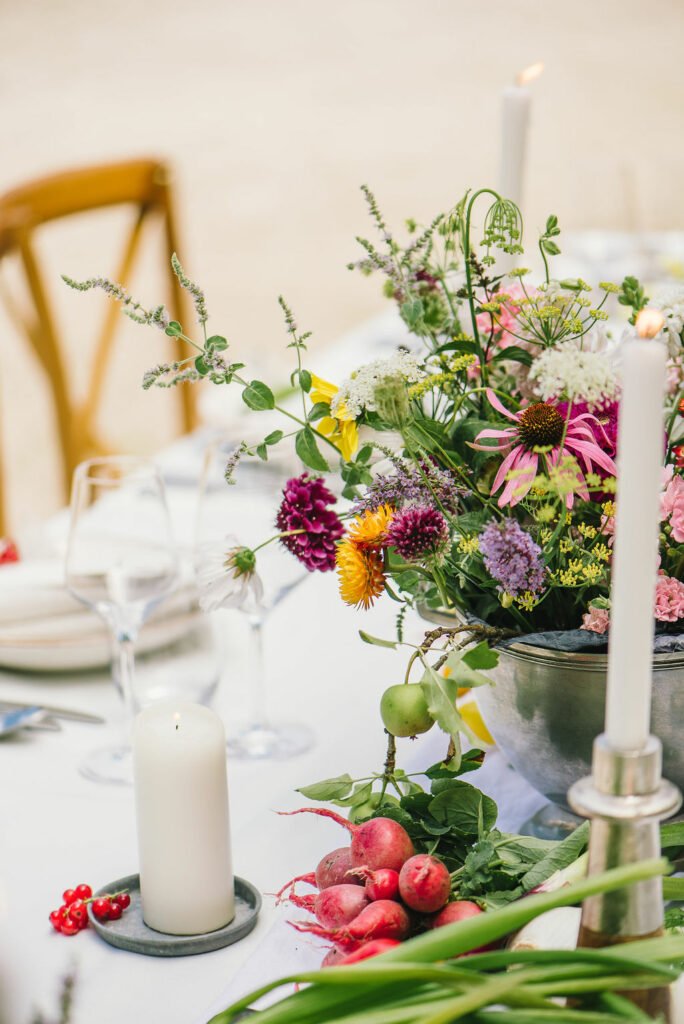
point(74, 716)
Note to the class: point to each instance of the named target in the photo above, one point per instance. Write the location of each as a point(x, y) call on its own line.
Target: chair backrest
point(144, 185)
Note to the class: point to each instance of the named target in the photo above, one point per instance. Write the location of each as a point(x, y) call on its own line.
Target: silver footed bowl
point(546, 707)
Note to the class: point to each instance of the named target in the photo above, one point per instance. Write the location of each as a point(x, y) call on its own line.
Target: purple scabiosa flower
point(512, 558)
point(304, 509)
point(417, 533)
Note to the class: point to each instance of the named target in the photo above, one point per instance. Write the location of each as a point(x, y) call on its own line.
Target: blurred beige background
point(273, 112)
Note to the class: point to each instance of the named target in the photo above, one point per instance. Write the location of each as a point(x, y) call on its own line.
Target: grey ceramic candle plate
point(131, 933)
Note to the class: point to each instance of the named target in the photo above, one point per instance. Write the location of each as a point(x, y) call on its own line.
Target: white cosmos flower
point(670, 301)
point(225, 578)
point(567, 371)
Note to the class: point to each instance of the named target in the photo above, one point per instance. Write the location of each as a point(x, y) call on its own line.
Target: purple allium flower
point(512, 558)
point(304, 507)
point(408, 485)
point(418, 532)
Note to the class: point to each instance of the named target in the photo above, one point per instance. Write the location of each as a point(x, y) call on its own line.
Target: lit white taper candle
point(634, 569)
point(517, 101)
point(181, 795)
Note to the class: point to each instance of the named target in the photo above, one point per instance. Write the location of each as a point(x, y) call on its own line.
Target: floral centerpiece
point(478, 461)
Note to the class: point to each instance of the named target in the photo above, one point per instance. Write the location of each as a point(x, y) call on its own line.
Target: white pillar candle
point(181, 795)
point(515, 119)
point(635, 553)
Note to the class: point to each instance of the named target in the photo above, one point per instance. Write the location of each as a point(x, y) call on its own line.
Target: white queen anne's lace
point(357, 393)
point(670, 302)
point(569, 372)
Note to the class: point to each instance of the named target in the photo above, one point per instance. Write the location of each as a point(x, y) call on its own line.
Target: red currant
point(78, 912)
point(56, 919)
point(101, 908)
point(123, 900)
point(84, 892)
point(115, 911)
point(69, 895)
point(69, 927)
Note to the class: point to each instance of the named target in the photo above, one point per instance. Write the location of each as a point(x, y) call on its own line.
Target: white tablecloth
point(59, 829)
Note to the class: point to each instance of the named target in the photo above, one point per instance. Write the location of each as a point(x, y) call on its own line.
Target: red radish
point(307, 902)
point(382, 884)
point(309, 878)
point(369, 949)
point(333, 957)
point(424, 883)
point(457, 911)
point(334, 869)
point(339, 905)
point(377, 843)
point(383, 919)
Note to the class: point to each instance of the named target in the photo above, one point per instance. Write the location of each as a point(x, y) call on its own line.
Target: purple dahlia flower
point(418, 532)
point(512, 558)
point(305, 508)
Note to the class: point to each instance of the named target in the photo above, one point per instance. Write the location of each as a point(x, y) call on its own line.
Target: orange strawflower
point(360, 572)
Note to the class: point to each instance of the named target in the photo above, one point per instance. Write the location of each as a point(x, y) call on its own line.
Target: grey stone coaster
point(131, 933)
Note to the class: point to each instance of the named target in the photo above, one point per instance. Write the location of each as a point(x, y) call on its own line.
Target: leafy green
point(307, 450)
point(258, 396)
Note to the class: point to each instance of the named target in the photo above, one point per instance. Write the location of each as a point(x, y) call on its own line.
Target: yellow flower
point(592, 572)
point(341, 429)
point(601, 551)
point(469, 545)
point(608, 508)
point(526, 601)
point(586, 530)
point(360, 573)
point(368, 529)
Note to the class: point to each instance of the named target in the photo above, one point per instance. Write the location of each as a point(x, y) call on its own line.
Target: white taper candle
point(515, 119)
point(634, 568)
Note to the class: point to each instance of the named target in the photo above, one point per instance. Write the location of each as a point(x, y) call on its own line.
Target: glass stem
point(124, 665)
point(258, 714)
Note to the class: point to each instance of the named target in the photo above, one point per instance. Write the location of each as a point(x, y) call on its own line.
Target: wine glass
point(121, 561)
point(244, 515)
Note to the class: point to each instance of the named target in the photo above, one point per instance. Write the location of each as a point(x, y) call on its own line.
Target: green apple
point(404, 710)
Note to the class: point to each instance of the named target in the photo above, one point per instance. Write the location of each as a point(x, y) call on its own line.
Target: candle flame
point(529, 74)
point(176, 718)
point(649, 322)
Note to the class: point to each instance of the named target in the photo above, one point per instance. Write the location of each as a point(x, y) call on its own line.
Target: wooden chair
point(144, 185)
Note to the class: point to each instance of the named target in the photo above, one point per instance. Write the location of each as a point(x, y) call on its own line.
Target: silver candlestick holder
point(626, 798)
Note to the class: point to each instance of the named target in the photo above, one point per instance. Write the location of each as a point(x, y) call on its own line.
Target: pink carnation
point(672, 506)
point(669, 605)
point(596, 620)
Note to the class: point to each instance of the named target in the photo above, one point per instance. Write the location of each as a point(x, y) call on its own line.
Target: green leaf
point(262, 452)
point(550, 247)
point(307, 450)
point(412, 311)
point(462, 806)
point(305, 380)
point(201, 366)
point(217, 342)
point(462, 674)
point(551, 223)
point(258, 396)
point(364, 454)
point(481, 656)
point(329, 789)
point(515, 353)
point(440, 695)
point(318, 411)
point(560, 857)
point(359, 795)
point(174, 329)
point(376, 641)
point(274, 437)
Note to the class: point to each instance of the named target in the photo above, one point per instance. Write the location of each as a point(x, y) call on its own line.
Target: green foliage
point(258, 396)
point(307, 450)
point(632, 294)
